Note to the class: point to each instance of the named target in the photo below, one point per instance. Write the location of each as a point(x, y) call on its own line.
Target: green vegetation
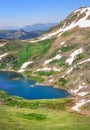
point(34, 51)
point(11, 46)
point(54, 61)
point(53, 53)
point(77, 68)
point(44, 73)
point(88, 81)
point(68, 48)
point(67, 33)
point(63, 81)
point(36, 78)
point(33, 116)
point(87, 35)
point(79, 57)
point(3, 65)
point(85, 107)
point(61, 62)
point(48, 115)
point(55, 104)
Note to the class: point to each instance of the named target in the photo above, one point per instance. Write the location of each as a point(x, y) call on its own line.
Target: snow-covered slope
point(80, 18)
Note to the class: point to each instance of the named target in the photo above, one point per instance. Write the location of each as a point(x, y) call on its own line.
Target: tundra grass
point(41, 119)
point(34, 51)
point(16, 114)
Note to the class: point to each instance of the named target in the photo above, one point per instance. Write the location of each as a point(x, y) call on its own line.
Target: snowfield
point(48, 69)
point(1, 56)
point(71, 69)
point(79, 104)
point(51, 80)
point(80, 87)
point(55, 58)
point(62, 43)
point(82, 94)
point(24, 66)
point(76, 91)
point(44, 69)
point(1, 45)
point(73, 55)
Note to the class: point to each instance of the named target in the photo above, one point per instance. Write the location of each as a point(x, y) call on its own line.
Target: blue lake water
point(17, 85)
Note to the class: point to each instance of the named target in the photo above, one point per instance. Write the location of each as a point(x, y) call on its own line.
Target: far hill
point(26, 32)
point(39, 26)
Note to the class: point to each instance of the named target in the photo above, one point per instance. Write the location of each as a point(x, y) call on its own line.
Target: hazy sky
point(27, 12)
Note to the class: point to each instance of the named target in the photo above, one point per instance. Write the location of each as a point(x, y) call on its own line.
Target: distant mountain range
point(38, 26)
point(19, 34)
point(27, 32)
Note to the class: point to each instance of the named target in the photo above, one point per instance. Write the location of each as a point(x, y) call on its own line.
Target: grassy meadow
point(19, 114)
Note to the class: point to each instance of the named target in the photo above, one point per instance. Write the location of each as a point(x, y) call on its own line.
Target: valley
point(59, 58)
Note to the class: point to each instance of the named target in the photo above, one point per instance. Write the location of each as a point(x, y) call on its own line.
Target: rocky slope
point(60, 57)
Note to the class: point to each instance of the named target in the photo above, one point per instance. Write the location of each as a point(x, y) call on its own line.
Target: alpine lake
point(15, 84)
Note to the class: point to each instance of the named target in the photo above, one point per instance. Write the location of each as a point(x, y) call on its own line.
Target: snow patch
point(51, 80)
point(56, 69)
point(1, 45)
point(1, 56)
point(79, 88)
point(62, 43)
point(22, 69)
point(88, 60)
point(48, 69)
point(82, 94)
point(76, 90)
point(70, 70)
point(79, 104)
point(72, 56)
point(55, 58)
point(26, 64)
point(44, 69)
point(83, 83)
point(81, 10)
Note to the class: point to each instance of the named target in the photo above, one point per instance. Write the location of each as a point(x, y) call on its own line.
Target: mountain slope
point(79, 18)
point(60, 57)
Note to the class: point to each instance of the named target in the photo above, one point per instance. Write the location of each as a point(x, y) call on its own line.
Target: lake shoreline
point(17, 84)
point(42, 84)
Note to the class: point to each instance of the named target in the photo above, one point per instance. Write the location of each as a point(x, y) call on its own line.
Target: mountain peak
point(78, 18)
point(82, 9)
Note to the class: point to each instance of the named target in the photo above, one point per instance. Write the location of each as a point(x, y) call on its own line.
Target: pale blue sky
point(27, 12)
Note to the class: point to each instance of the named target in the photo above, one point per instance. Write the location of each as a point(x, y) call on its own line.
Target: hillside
point(60, 58)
